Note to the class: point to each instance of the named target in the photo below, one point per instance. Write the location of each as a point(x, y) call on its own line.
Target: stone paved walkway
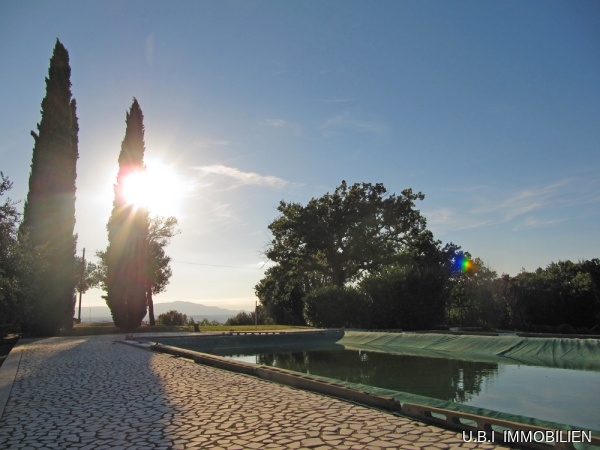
point(96, 393)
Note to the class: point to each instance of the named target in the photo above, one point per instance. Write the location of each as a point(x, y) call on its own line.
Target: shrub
point(241, 318)
point(408, 298)
point(334, 306)
point(174, 318)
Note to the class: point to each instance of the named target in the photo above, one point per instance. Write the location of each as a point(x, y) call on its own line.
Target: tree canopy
point(340, 236)
point(11, 287)
point(160, 232)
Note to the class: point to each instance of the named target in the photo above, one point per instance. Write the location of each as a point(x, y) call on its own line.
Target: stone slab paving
point(97, 393)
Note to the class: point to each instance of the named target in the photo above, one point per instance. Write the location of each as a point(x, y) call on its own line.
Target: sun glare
point(159, 189)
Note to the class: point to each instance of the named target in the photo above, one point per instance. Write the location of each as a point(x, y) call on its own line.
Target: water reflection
point(445, 379)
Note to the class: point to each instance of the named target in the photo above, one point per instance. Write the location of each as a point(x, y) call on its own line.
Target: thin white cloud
point(354, 121)
point(208, 142)
point(281, 123)
point(530, 208)
point(443, 220)
point(525, 201)
point(242, 178)
point(534, 222)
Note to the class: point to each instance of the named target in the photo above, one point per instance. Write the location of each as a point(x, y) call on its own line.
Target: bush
point(208, 323)
point(407, 298)
point(334, 306)
point(173, 318)
point(241, 318)
point(244, 318)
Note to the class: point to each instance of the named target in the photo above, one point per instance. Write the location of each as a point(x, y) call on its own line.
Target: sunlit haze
point(159, 189)
point(489, 108)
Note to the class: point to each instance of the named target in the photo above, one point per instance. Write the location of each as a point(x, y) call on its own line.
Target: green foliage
point(89, 275)
point(206, 323)
point(281, 294)
point(126, 257)
point(473, 300)
point(335, 306)
point(408, 296)
point(336, 238)
point(244, 318)
point(12, 307)
point(160, 232)
point(49, 213)
point(172, 318)
point(562, 293)
point(241, 318)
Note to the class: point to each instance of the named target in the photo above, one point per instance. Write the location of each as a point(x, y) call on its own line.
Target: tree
point(241, 318)
point(562, 293)
point(474, 297)
point(336, 239)
point(335, 306)
point(126, 256)
point(49, 212)
point(172, 317)
point(250, 318)
point(160, 232)
point(411, 293)
point(340, 236)
point(281, 294)
point(11, 304)
point(88, 276)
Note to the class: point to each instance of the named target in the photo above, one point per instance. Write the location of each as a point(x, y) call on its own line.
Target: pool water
point(559, 395)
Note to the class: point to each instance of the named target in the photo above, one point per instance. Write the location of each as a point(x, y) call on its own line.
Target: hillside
point(193, 310)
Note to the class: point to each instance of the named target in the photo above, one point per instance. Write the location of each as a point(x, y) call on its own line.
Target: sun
point(159, 189)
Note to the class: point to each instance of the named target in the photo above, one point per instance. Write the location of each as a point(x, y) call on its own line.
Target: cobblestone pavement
point(96, 393)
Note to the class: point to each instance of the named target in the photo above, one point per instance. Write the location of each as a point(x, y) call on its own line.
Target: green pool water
point(564, 396)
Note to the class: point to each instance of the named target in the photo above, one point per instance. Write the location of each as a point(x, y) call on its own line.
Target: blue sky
point(491, 109)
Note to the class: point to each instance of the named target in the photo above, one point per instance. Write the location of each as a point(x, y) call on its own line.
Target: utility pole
point(82, 276)
point(256, 315)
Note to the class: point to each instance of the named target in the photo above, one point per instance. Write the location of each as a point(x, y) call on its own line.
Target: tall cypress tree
point(127, 252)
point(49, 212)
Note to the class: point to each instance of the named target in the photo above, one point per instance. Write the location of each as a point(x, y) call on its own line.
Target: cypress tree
point(49, 211)
point(127, 252)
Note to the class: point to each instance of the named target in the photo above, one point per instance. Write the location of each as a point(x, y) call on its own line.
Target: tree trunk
point(150, 307)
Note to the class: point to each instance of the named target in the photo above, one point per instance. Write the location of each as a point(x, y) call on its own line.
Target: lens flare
point(158, 188)
point(463, 264)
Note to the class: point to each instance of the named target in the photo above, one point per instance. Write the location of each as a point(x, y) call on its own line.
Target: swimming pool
point(557, 395)
point(471, 372)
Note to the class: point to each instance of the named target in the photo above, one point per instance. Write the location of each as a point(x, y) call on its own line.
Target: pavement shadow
point(89, 392)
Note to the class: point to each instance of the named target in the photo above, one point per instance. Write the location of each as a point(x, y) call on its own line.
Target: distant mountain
point(196, 311)
point(192, 309)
